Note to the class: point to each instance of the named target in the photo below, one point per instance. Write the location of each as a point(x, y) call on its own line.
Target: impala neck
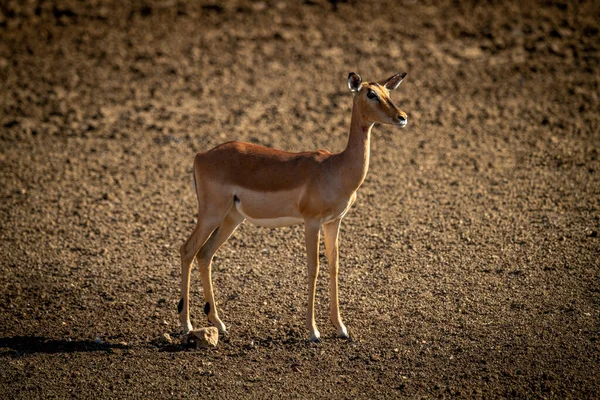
point(355, 157)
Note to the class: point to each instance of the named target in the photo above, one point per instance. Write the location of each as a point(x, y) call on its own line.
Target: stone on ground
point(203, 338)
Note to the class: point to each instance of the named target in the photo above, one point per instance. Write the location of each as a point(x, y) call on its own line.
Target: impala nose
point(402, 120)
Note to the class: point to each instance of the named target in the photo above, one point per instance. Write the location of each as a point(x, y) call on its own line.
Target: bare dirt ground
point(470, 263)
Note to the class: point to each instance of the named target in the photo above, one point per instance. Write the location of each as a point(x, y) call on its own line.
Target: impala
point(273, 188)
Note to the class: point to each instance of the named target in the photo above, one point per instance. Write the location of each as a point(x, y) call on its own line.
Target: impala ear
point(354, 81)
point(393, 82)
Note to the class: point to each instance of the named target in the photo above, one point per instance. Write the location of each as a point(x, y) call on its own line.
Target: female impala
point(274, 188)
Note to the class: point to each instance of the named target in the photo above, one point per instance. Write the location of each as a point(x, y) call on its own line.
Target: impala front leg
point(311, 233)
point(331, 231)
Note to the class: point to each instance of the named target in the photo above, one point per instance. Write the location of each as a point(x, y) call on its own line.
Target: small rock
point(472, 53)
point(259, 6)
point(98, 341)
point(201, 338)
point(165, 338)
point(555, 49)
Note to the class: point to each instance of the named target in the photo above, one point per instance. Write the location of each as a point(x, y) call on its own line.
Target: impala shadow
point(38, 344)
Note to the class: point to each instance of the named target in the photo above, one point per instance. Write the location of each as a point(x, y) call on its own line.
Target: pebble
point(165, 338)
point(259, 6)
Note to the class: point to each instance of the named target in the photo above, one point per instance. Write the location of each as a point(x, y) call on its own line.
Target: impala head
point(374, 101)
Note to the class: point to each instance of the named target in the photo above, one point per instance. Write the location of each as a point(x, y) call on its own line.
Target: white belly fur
point(283, 213)
point(274, 222)
point(276, 208)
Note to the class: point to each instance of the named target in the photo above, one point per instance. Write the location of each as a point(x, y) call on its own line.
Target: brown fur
point(258, 167)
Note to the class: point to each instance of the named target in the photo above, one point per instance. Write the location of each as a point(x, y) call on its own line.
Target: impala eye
point(372, 95)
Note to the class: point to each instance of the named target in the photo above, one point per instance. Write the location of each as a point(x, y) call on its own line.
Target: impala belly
point(274, 222)
point(269, 209)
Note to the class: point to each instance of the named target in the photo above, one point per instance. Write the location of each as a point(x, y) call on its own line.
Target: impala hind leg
point(204, 258)
point(331, 233)
point(203, 229)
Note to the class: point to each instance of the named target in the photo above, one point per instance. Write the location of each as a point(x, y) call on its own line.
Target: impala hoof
point(342, 333)
point(220, 326)
point(187, 328)
point(315, 337)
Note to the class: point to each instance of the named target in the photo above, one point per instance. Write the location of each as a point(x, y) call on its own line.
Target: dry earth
point(469, 263)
